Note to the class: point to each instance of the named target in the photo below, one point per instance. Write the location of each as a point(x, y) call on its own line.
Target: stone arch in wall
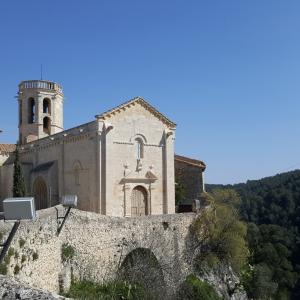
point(139, 201)
point(141, 267)
point(77, 169)
point(40, 193)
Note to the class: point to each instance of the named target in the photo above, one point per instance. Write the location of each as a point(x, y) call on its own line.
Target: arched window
point(46, 106)
point(139, 148)
point(46, 125)
point(31, 110)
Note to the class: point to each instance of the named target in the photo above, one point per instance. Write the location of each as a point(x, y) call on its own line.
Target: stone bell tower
point(40, 109)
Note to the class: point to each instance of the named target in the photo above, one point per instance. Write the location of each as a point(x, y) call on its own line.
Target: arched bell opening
point(46, 106)
point(46, 125)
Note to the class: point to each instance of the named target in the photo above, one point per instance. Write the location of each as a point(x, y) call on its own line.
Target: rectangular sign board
point(19, 208)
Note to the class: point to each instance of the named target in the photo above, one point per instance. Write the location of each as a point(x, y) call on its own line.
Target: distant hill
point(270, 200)
point(271, 207)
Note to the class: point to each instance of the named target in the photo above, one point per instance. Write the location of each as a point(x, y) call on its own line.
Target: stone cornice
point(137, 100)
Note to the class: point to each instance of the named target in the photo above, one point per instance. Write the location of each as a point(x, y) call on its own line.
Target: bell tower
point(40, 109)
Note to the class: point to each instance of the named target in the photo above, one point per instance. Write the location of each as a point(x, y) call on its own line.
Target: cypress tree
point(19, 188)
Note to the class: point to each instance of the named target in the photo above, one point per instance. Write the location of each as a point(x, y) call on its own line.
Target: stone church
point(119, 164)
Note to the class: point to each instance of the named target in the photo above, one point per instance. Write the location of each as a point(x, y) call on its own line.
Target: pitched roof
point(7, 148)
point(132, 102)
point(190, 161)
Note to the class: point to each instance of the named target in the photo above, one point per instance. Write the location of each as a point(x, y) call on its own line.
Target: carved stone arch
point(40, 193)
point(138, 136)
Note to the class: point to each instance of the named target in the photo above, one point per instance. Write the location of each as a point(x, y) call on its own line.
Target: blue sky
point(227, 72)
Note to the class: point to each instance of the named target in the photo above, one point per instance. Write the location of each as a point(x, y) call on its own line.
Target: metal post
point(8, 241)
point(63, 221)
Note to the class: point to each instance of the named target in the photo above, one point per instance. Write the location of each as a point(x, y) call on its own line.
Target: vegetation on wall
point(195, 289)
point(19, 188)
point(67, 252)
point(113, 290)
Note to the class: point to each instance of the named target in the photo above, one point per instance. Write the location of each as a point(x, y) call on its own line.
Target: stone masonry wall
point(191, 177)
point(100, 245)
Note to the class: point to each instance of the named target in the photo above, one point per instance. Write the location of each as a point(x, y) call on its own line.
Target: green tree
point(271, 251)
point(259, 283)
point(19, 188)
point(220, 235)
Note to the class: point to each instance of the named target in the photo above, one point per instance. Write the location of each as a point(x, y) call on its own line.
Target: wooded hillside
point(271, 208)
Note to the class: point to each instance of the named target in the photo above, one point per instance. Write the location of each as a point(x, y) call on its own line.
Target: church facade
point(119, 164)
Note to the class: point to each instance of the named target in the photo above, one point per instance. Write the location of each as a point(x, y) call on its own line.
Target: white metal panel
point(19, 209)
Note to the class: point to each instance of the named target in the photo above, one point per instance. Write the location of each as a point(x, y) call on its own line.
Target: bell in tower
point(40, 109)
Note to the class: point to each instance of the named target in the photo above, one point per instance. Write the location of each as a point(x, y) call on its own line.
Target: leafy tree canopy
point(271, 207)
point(220, 234)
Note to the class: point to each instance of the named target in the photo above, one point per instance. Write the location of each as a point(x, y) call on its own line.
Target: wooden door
point(40, 193)
point(138, 202)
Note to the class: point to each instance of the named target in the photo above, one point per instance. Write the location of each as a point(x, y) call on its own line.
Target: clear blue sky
point(227, 72)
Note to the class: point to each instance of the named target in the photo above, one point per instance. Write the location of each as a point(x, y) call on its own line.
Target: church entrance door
point(139, 202)
point(40, 193)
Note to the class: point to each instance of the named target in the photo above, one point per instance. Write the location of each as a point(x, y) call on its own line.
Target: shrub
point(21, 243)
point(16, 270)
point(3, 269)
point(112, 290)
point(67, 252)
point(196, 289)
point(10, 253)
point(35, 256)
point(23, 259)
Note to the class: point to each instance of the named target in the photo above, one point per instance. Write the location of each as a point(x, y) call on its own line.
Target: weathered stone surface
point(191, 177)
point(226, 283)
point(100, 245)
point(11, 289)
point(96, 247)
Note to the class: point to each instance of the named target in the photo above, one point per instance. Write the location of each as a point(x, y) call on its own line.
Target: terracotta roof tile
point(7, 148)
point(190, 161)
